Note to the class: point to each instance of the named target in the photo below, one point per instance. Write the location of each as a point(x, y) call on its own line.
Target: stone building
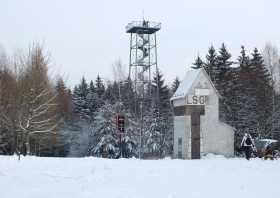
point(197, 128)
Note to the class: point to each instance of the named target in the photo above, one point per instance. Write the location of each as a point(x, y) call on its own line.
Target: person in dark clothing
point(247, 145)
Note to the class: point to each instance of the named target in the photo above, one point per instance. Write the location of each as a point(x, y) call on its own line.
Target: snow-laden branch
point(47, 103)
point(45, 92)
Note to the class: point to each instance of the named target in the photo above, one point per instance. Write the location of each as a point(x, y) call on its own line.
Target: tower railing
point(143, 24)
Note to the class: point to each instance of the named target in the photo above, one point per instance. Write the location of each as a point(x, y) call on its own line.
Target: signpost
point(120, 123)
point(120, 120)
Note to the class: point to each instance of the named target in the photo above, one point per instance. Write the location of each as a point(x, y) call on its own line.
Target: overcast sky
point(86, 37)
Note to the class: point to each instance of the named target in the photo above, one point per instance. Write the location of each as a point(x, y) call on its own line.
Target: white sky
point(86, 37)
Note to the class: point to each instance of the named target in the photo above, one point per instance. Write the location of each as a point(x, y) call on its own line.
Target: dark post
point(195, 111)
point(120, 126)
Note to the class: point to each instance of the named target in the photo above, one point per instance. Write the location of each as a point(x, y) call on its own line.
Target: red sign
point(120, 123)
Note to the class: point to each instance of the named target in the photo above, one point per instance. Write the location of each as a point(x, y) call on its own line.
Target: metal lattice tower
point(143, 53)
point(142, 63)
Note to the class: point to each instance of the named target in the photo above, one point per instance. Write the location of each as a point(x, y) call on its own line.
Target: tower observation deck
point(144, 27)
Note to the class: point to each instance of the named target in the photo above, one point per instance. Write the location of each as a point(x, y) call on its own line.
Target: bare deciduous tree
point(36, 104)
point(119, 71)
point(271, 60)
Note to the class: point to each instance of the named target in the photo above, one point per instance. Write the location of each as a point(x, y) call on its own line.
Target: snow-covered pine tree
point(246, 101)
point(153, 133)
point(235, 85)
point(198, 63)
point(100, 87)
point(105, 140)
point(242, 100)
point(211, 63)
point(224, 80)
point(175, 85)
point(92, 87)
point(128, 96)
point(161, 94)
point(162, 123)
point(223, 70)
point(64, 113)
point(63, 101)
point(108, 95)
point(262, 84)
point(80, 104)
point(114, 92)
point(92, 103)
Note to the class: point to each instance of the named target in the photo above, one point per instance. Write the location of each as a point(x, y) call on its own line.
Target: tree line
point(41, 116)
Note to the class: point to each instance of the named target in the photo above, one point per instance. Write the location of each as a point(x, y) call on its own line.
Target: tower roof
point(143, 27)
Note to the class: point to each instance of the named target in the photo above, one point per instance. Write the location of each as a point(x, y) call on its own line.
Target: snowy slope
point(100, 178)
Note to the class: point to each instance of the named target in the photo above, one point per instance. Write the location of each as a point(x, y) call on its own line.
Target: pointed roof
point(187, 82)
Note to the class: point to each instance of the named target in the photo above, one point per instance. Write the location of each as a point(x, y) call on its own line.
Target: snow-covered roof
point(187, 82)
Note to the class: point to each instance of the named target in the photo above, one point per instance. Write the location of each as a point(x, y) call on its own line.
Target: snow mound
point(213, 156)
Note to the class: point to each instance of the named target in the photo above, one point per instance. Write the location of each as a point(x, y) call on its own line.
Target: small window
point(180, 148)
point(179, 141)
point(180, 154)
point(180, 111)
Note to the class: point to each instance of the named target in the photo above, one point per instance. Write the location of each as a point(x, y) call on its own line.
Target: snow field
point(34, 177)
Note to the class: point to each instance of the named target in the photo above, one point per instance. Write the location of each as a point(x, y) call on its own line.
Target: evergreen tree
point(158, 119)
point(244, 59)
point(175, 85)
point(242, 74)
point(211, 64)
point(223, 71)
point(100, 87)
point(224, 81)
point(263, 91)
point(63, 100)
point(128, 96)
point(92, 104)
point(198, 63)
point(105, 140)
point(161, 94)
point(80, 104)
point(116, 91)
point(112, 92)
point(247, 108)
point(108, 94)
point(84, 88)
point(223, 59)
point(92, 87)
point(152, 133)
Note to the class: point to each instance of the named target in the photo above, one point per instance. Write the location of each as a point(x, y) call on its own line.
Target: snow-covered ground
point(34, 177)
